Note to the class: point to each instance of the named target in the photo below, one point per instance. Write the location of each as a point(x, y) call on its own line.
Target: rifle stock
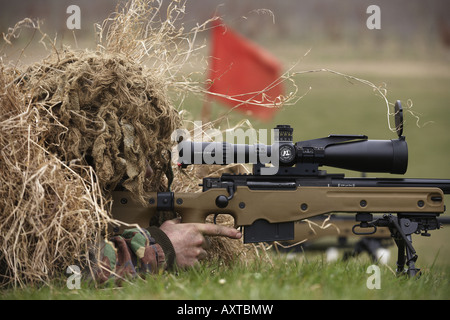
point(279, 206)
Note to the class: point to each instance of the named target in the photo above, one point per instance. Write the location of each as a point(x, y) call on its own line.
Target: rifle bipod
point(401, 227)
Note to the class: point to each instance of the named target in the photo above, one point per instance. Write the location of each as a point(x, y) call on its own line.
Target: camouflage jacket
point(135, 252)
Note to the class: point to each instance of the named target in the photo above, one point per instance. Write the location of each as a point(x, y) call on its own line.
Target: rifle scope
point(352, 152)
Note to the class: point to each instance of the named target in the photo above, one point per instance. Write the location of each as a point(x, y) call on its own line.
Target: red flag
point(242, 70)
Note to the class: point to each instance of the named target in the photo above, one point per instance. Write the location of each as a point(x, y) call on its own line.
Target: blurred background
point(408, 28)
point(306, 21)
point(409, 56)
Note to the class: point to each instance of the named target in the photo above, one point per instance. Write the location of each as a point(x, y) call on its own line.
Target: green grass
point(281, 280)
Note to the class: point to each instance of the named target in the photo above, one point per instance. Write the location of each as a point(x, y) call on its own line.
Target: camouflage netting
point(50, 211)
point(111, 114)
point(75, 125)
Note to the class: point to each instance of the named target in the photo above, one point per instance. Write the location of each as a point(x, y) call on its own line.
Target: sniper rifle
point(267, 206)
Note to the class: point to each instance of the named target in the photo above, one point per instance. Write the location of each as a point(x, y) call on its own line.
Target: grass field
point(307, 277)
